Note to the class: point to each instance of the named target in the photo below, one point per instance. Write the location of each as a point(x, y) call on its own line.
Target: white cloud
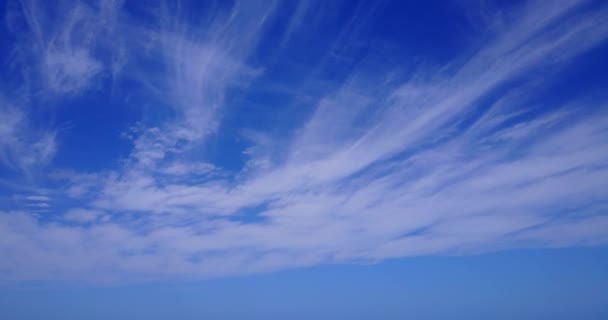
point(20, 146)
point(376, 172)
point(71, 71)
point(56, 43)
point(38, 198)
point(82, 215)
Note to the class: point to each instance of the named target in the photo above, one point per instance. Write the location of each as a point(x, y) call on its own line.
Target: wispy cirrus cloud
point(21, 147)
point(455, 159)
point(57, 47)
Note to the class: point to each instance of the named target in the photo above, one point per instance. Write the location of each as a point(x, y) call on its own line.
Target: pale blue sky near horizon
point(304, 159)
point(520, 284)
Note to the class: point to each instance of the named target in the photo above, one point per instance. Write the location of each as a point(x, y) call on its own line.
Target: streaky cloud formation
point(245, 157)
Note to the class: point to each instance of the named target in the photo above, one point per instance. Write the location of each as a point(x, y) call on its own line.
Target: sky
point(303, 159)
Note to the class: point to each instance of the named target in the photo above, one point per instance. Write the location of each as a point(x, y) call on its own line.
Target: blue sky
point(315, 147)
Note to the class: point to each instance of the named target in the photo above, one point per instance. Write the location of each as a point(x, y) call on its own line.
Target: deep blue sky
point(314, 159)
